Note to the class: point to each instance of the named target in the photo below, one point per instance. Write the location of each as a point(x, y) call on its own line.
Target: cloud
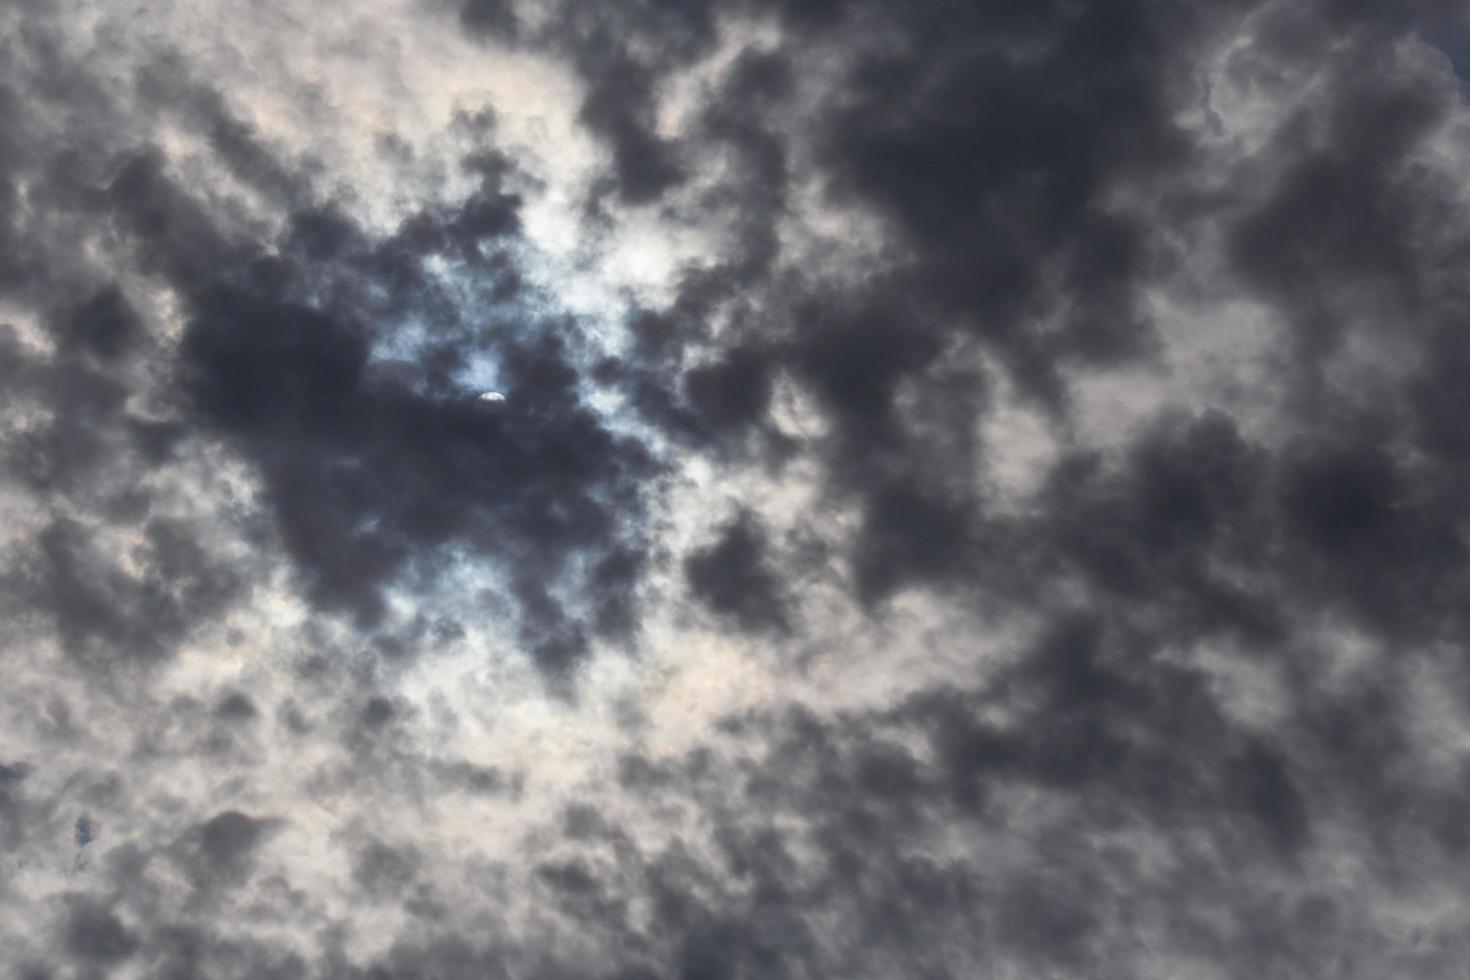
point(732, 576)
point(979, 491)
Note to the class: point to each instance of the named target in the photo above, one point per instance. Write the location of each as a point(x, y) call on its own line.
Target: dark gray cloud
point(103, 612)
point(980, 491)
point(95, 934)
point(734, 578)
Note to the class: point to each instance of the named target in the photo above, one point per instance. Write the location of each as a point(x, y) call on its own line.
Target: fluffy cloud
point(980, 489)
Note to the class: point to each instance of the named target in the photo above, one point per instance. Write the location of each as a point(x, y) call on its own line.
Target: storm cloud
point(980, 489)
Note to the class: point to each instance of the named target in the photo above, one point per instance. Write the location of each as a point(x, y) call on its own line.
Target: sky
point(981, 489)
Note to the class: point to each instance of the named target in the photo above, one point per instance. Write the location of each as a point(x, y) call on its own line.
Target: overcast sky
point(981, 489)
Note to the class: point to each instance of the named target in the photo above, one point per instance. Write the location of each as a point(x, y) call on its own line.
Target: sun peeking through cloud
point(758, 489)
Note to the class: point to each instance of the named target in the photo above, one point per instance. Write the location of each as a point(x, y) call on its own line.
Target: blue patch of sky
point(490, 317)
point(481, 372)
point(402, 343)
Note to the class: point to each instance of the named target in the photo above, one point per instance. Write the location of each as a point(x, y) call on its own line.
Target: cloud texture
point(980, 491)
